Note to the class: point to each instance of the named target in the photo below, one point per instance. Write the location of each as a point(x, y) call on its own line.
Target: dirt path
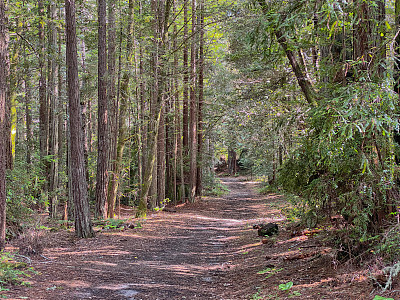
point(207, 250)
point(193, 253)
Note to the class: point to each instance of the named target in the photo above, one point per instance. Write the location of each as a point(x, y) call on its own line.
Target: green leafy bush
point(13, 271)
point(212, 186)
point(345, 164)
point(23, 195)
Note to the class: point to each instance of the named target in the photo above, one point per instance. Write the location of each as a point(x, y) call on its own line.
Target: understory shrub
point(212, 186)
point(345, 164)
point(13, 271)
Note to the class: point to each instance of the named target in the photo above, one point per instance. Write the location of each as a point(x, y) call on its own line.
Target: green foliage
point(382, 298)
point(257, 295)
point(12, 271)
point(111, 224)
point(388, 247)
point(269, 272)
point(23, 193)
point(267, 189)
point(345, 163)
point(285, 286)
point(213, 186)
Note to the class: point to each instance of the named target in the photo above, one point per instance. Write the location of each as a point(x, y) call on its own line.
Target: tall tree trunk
point(61, 113)
point(112, 103)
point(43, 101)
point(193, 109)
point(83, 225)
point(178, 155)
point(161, 12)
point(201, 100)
point(396, 73)
point(123, 114)
point(102, 146)
point(12, 105)
point(4, 67)
point(142, 145)
point(53, 117)
point(155, 96)
point(185, 110)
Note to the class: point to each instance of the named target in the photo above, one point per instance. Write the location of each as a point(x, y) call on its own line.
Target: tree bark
point(85, 111)
point(53, 117)
point(4, 70)
point(185, 110)
point(122, 124)
point(232, 161)
point(102, 146)
point(161, 11)
point(200, 100)
point(113, 106)
point(83, 225)
point(154, 102)
point(178, 155)
point(28, 116)
point(193, 110)
point(43, 101)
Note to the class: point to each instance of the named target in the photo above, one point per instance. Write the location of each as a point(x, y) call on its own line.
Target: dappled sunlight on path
point(191, 254)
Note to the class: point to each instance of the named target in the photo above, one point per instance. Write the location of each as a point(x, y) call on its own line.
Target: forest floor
point(207, 250)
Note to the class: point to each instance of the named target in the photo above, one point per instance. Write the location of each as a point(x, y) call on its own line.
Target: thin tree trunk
point(28, 116)
point(43, 101)
point(193, 109)
point(53, 119)
point(61, 112)
point(161, 157)
point(102, 146)
point(161, 12)
point(4, 69)
point(201, 100)
point(113, 105)
point(154, 94)
point(28, 109)
point(142, 144)
point(143, 120)
point(123, 114)
point(178, 155)
point(83, 225)
point(185, 110)
point(12, 105)
point(150, 162)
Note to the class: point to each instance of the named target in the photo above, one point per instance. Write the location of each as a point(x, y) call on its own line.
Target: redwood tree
point(83, 225)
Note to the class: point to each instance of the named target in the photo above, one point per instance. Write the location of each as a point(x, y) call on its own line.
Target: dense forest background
point(134, 102)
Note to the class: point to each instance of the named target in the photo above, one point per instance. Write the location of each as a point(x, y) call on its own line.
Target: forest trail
point(197, 252)
point(206, 250)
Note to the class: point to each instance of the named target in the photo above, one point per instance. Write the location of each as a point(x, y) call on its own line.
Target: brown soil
point(206, 250)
